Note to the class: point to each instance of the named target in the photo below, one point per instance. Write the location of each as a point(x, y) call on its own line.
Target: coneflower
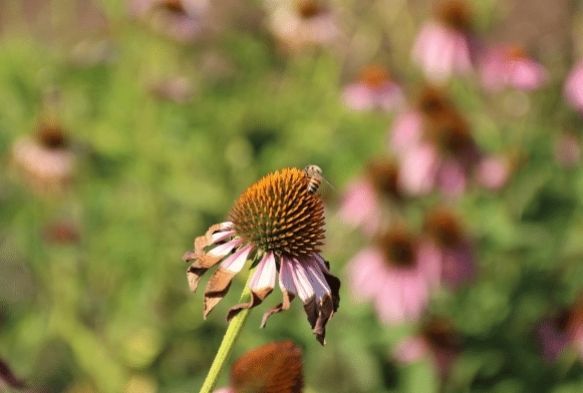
point(562, 331)
point(397, 274)
point(436, 340)
point(271, 368)
point(46, 159)
point(445, 45)
point(362, 203)
point(374, 89)
point(508, 66)
point(446, 237)
point(299, 24)
point(278, 224)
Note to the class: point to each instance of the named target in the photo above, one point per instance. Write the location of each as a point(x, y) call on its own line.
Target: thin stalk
point(229, 339)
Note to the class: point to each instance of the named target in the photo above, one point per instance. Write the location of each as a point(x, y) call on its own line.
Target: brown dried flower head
point(444, 226)
point(375, 76)
point(271, 368)
point(384, 175)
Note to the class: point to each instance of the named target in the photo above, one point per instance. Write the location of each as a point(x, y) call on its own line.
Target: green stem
point(229, 339)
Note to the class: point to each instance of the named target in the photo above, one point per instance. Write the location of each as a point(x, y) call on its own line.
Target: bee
point(315, 177)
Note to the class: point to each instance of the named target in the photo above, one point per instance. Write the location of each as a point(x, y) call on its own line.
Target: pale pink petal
point(417, 173)
point(493, 173)
point(573, 89)
point(406, 132)
point(225, 248)
point(235, 262)
point(264, 275)
point(367, 273)
point(452, 177)
point(358, 96)
point(359, 206)
point(527, 75)
point(411, 350)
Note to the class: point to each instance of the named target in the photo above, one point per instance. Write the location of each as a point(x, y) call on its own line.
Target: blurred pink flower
point(567, 150)
point(573, 89)
point(507, 66)
point(445, 236)
point(407, 129)
point(374, 90)
point(565, 330)
point(396, 274)
point(181, 20)
point(493, 172)
point(46, 159)
point(444, 46)
point(437, 341)
point(442, 159)
point(303, 23)
point(361, 204)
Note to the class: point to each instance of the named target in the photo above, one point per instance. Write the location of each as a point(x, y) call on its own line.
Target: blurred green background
point(109, 310)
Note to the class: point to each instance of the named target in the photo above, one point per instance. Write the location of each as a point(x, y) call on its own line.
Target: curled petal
point(219, 284)
point(202, 262)
point(261, 284)
point(288, 289)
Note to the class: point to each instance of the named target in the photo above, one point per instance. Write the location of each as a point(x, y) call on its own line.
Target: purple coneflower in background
point(437, 340)
point(444, 45)
point(509, 66)
point(407, 129)
point(46, 159)
point(375, 89)
point(397, 274)
point(442, 159)
point(362, 203)
point(573, 89)
point(279, 224)
point(271, 368)
point(181, 20)
point(447, 240)
point(564, 330)
point(298, 24)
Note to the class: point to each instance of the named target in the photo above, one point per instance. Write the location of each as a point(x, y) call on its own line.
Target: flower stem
point(229, 339)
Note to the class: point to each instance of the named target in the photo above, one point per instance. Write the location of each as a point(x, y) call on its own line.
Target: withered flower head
point(45, 158)
point(271, 368)
point(278, 224)
point(455, 13)
point(384, 175)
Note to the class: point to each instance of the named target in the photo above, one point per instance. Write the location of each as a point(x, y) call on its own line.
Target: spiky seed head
point(444, 226)
point(384, 175)
point(308, 8)
point(51, 136)
point(271, 368)
point(455, 14)
point(375, 76)
point(399, 247)
point(432, 101)
point(279, 214)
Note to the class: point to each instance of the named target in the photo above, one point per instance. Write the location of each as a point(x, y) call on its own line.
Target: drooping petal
point(220, 282)
point(288, 289)
point(326, 305)
point(200, 260)
point(261, 285)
